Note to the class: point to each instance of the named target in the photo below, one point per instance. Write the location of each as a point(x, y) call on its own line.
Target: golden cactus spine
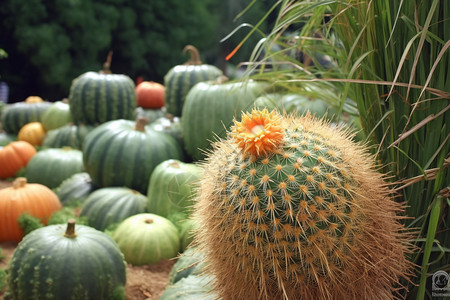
point(290, 208)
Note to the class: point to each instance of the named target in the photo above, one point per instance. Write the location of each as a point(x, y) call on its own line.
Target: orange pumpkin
point(150, 94)
point(34, 199)
point(15, 156)
point(33, 99)
point(33, 133)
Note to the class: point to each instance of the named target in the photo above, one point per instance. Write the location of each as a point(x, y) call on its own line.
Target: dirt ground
point(143, 282)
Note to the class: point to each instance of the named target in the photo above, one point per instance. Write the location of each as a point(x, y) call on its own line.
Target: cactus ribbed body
point(291, 208)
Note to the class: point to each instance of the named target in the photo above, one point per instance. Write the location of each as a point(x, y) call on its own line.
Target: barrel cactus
point(291, 208)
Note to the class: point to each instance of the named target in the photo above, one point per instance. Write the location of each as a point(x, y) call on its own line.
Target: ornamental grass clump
point(291, 208)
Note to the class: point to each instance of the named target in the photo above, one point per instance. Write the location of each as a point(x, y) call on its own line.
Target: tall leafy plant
point(392, 59)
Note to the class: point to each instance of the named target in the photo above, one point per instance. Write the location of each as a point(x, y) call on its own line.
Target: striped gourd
point(210, 108)
point(181, 78)
point(52, 166)
point(172, 188)
point(64, 262)
point(76, 188)
point(57, 115)
point(124, 153)
point(69, 135)
point(190, 262)
point(16, 115)
point(110, 205)
point(96, 98)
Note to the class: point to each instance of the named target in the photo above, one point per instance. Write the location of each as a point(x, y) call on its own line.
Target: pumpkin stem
point(221, 79)
point(194, 56)
point(70, 230)
point(174, 164)
point(107, 64)
point(140, 124)
point(149, 221)
point(19, 182)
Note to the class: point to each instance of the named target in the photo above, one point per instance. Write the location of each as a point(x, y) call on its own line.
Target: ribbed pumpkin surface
point(52, 166)
point(180, 79)
point(15, 156)
point(111, 205)
point(172, 188)
point(35, 199)
point(210, 108)
point(49, 265)
point(77, 187)
point(147, 239)
point(57, 115)
point(69, 135)
point(15, 115)
point(116, 154)
point(96, 98)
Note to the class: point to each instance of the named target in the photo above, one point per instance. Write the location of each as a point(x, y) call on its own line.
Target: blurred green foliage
point(51, 42)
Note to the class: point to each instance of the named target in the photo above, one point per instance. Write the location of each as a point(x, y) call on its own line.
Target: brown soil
point(143, 282)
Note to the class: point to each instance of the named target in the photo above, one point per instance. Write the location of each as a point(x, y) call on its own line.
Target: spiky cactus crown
point(291, 208)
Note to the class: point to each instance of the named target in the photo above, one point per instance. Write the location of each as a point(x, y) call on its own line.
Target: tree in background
point(51, 42)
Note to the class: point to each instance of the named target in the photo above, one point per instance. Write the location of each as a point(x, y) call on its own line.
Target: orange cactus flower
point(259, 133)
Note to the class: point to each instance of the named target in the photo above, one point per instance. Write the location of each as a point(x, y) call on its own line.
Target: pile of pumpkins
point(128, 155)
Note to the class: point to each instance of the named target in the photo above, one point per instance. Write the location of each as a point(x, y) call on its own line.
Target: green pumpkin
point(52, 166)
point(124, 153)
point(6, 138)
point(192, 287)
point(64, 262)
point(210, 109)
point(76, 188)
point(172, 187)
point(16, 115)
point(181, 78)
point(57, 115)
point(111, 205)
point(147, 239)
point(69, 135)
point(190, 262)
point(96, 98)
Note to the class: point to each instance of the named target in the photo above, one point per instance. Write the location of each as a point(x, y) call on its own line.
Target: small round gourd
point(33, 133)
point(15, 156)
point(64, 262)
point(52, 166)
point(111, 205)
point(147, 239)
point(34, 199)
point(57, 115)
point(150, 94)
